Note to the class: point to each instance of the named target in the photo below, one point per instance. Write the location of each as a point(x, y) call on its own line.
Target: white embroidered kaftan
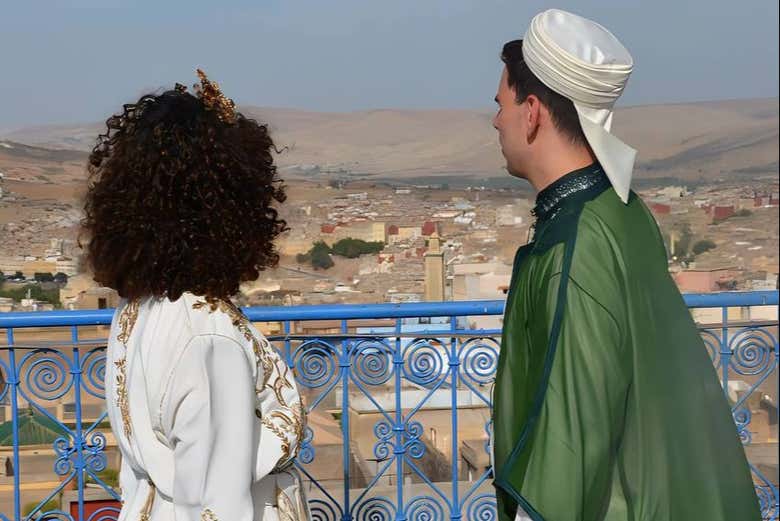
point(206, 414)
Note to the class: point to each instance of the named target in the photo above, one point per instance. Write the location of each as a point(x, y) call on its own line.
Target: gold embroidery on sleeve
point(287, 427)
point(291, 507)
point(127, 320)
point(146, 512)
point(208, 515)
point(287, 511)
point(287, 424)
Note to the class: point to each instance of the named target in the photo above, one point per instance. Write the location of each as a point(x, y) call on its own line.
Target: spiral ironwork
point(424, 362)
point(482, 508)
point(479, 360)
point(50, 515)
point(384, 433)
point(415, 448)
point(322, 510)
point(375, 509)
point(424, 508)
point(45, 374)
point(65, 451)
point(307, 451)
point(768, 500)
point(753, 351)
point(94, 453)
point(105, 514)
point(372, 362)
point(93, 369)
point(742, 419)
point(316, 363)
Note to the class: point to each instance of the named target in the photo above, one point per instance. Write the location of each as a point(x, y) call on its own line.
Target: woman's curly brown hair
point(179, 200)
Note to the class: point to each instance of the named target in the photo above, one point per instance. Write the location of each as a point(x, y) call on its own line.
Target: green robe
point(606, 403)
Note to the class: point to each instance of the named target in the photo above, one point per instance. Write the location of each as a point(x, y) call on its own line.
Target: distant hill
point(690, 141)
point(35, 164)
point(10, 150)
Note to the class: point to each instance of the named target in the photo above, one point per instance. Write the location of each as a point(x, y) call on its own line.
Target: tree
point(18, 275)
point(703, 246)
point(318, 255)
point(684, 243)
point(320, 259)
point(43, 277)
point(353, 248)
point(36, 292)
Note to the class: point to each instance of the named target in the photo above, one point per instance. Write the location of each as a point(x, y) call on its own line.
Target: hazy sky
point(66, 61)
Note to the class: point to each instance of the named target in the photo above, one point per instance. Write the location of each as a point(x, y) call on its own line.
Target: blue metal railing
point(424, 356)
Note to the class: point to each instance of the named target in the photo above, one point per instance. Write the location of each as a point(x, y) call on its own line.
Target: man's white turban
point(582, 61)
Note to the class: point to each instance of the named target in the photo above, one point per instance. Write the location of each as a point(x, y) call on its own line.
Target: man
point(607, 406)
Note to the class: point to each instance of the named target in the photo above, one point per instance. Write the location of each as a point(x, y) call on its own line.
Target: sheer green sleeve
point(570, 460)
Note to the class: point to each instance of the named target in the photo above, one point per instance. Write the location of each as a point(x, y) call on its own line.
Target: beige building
point(66, 265)
point(369, 231)
point(507, 215)
point(82, 292)
point(6, 304)
point(290, 244)
point(29, 267)
point(673, 192)
point(434, 270)
point(746, 203)
point(406, 233)
point(480, 281)
point(11, 264)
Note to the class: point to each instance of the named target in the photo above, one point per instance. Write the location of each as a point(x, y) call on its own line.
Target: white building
point(481, 281)
point(673, 192)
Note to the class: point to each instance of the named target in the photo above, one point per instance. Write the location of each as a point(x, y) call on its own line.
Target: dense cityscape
point(368, 239)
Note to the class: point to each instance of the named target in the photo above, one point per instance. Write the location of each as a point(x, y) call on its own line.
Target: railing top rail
point(365, 311)
point(731, 299)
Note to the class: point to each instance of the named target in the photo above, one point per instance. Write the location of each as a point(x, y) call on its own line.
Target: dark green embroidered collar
point(559, 205)
point(554, 198)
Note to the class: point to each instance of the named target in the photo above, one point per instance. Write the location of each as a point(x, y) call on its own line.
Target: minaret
point(434, 270)
point(673, 243)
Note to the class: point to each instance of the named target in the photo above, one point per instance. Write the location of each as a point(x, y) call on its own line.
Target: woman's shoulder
point(160, 320)
point(217, 316)
point(194, 328)
point(221, 320)
point(197, 314)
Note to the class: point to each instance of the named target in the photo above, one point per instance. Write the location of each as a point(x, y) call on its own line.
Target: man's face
point(511, 123)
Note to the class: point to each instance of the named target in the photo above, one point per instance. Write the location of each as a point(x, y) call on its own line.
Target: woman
point(179, 211)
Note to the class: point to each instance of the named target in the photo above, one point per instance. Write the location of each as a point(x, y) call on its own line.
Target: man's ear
point(533, 117)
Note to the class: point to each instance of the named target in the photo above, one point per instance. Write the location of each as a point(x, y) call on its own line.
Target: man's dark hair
point(524, 82)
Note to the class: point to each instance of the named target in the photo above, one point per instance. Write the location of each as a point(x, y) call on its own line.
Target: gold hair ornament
point(210, 94)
